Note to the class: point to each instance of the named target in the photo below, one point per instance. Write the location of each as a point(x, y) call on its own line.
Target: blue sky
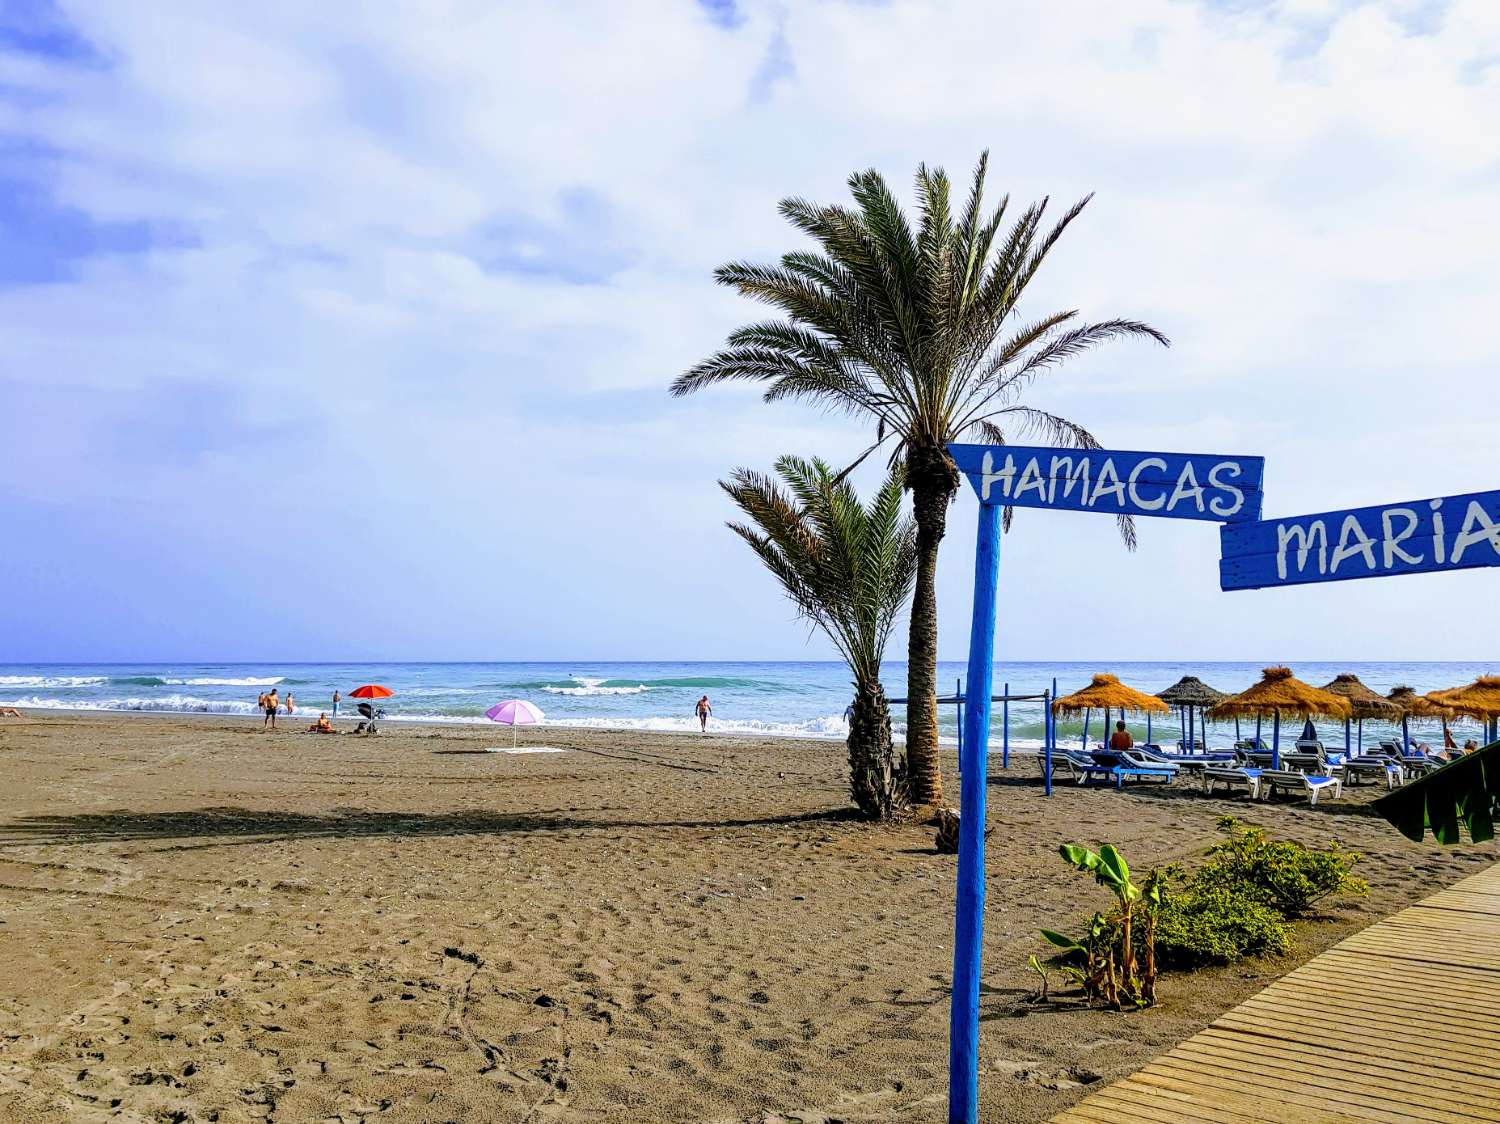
point(343, 330)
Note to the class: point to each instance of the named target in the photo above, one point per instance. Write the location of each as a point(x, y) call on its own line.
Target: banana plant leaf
point(1466, 792)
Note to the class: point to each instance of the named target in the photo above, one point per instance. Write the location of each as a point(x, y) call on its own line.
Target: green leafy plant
point(1236, 905)
point(1204, 924)
point(1113, 936)
point(1280, 873)
point(1463, 792)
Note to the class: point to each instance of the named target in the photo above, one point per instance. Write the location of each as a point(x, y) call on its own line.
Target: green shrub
point(1279, 873)
point(1204, 924)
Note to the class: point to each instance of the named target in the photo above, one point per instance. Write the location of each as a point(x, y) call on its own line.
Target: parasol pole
point(1148, 728)
point(1084, 744)
point(1005, 726)
point(1276, 739)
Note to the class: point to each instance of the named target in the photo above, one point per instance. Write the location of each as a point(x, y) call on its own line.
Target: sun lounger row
point(1259, 783)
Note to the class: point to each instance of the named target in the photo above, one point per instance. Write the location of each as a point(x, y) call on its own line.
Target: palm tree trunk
point(933, 478)
point(874, 780)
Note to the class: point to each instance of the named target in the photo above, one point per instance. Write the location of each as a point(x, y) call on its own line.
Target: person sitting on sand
point(1121, 740)
point(704, 709)
point(321, 726)
point(273, 704)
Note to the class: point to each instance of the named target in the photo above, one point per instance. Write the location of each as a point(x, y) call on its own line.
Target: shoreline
point(604, 726)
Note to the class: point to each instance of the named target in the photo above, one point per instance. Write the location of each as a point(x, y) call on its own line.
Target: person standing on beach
point(260, 701)
point(1121, 740)
point(291, 703)
point(273, 704)
point(704, 710)
point(336, 697)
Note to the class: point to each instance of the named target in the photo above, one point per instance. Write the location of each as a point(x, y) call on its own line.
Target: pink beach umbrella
point(513, 713)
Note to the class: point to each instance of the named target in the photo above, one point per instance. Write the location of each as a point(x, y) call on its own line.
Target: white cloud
point(1300, 193)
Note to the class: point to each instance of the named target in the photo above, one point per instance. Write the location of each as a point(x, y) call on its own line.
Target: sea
point(777, 699)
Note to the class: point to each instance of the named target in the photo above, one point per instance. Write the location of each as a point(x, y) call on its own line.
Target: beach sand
point(201, 922)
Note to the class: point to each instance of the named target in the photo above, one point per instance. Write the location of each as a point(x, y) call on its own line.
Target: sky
point(343, 330)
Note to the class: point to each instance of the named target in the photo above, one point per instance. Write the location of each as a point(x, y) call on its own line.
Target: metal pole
point(1084, 741)
point(1361, 737)
point(968, 925)
point(1346, 735)
point(1276, 741)
point(1181, 728)
point(1005, 728)
point(1148, 727)
point(958, 693)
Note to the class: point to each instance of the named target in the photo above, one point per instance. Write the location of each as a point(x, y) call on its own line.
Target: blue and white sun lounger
point(1121, 767)
point(1232, 776)
point(1292, 781)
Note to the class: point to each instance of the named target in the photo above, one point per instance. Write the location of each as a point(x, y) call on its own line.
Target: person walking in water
point(273, 704)
point(336, 697)
point(704, 711)
point(1121, 740)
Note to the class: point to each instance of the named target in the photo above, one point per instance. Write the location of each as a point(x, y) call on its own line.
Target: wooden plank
point(1341, 1096)
point(1350, 1005)
point(1364, 1073)
point(1274, 1025)
point(1395, 1023)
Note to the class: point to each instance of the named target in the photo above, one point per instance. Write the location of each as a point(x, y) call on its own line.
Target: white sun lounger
point(1231, 776)
point(1293, 781)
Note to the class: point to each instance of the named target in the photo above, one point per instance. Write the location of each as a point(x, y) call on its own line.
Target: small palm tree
point(916, 330)
point(848, 569)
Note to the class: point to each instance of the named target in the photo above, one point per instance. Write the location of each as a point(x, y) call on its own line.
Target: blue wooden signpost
point(1447, 533)
point(1174, 485)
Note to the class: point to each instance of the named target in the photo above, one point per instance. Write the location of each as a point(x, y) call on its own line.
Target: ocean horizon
point(788, 699)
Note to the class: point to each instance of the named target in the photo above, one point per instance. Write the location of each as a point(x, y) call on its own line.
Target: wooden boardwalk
point(1400, 1023)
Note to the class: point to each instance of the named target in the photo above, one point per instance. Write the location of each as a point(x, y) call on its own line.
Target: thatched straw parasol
point(1363, 703)
point(1192, 693)
point(1480, 699)
point(1414, 705)
point(1105, 692)
point(1279, 693)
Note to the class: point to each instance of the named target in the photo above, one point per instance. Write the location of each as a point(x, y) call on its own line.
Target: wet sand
point(202, 922)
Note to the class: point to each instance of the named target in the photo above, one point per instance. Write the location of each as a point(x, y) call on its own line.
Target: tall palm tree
point(848, 569)
point(918, 331)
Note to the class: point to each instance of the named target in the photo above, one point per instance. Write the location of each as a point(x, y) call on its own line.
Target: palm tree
point(916, 330)
point(848, 569)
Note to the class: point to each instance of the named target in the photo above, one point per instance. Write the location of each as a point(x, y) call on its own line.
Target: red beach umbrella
point(371, 691)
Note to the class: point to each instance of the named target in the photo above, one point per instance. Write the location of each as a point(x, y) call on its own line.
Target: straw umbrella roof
point(1414, 705)
point(1191, 691)
point(1363, 702)
point(1106, 692)
point(1480, 699)
point(1279, 693)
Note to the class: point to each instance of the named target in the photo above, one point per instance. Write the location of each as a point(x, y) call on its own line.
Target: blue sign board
point(1175, 485)
point(1449, 533)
